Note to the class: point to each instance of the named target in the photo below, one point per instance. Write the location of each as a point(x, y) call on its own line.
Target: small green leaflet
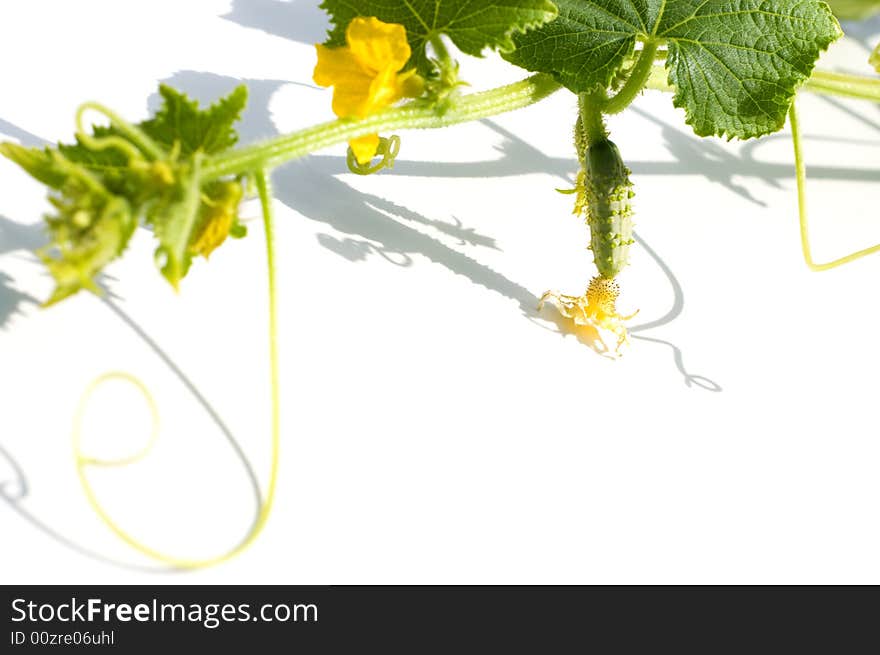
point(875, 58)
point(209, 130)
point(98, 160)
point(39, 163)
point(174, 219)
point(179, 119)
point(90, 226)
point(198, 132)
point(735, 63)
point(109, 163)
point(98, 193)
point(473, 25)
point(80, 249)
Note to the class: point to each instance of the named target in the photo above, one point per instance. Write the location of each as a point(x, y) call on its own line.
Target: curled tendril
point(388, 149)
point(136, 146)
point(84, 461)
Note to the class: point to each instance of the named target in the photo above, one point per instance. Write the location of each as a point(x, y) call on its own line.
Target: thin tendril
point(388, 148)
point(801, 174)
point(83, 461)
point(134, 134)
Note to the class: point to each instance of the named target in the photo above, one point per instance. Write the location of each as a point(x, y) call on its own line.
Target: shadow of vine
point(24, 137)
point(309, 187)
point(376, 225)
point(12, 300)
point(15, 491)
point(15, 237)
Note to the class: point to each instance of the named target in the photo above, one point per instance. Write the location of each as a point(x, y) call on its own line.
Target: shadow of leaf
point(303, 22)
point(375, 225)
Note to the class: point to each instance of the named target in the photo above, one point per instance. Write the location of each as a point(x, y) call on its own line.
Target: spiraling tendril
point(135, 147)
point(174, 158)
point(84, 462)
point(388, 150)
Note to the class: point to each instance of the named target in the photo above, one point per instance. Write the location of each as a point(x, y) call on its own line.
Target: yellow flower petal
point(364, 148)
point(352, 101)
point(365, 73)
point(337, 67)
point(218, 213)
point(213, 234)
point(384, 90)
point(377, 45)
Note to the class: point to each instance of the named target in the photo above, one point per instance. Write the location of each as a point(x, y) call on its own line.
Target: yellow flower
point(218, 214)
point(597, 308)
point(365, 75)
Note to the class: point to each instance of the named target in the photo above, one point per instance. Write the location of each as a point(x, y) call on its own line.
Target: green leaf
point(735, 63)
point(585, 46)
point(178, 217)
point(174, 219)
point(181, 121)
point(88, 232)
point(38, 162)
point(99, 193)
point(89, 228)
point(108, 159)
point(473, 25)
point(875, 58)
point(854, 9)
point(109, 164)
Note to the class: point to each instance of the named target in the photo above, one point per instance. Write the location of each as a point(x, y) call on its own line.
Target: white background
point(436, 429)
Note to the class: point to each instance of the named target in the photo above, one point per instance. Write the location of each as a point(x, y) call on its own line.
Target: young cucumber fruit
point(608, 194)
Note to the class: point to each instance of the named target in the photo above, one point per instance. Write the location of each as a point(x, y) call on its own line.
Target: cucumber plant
point(733, 66)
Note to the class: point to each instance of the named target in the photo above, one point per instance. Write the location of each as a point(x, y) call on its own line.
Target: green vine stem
point(413, 115)
point(83, 462)
point(636, 81)
point(264, 189)
point(859, 87)
point(420, 115)
point(441, 52)
point(801, 174)
point(592, 120)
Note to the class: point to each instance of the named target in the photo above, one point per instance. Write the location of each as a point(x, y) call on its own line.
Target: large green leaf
point(735, 63)
point(473, 25)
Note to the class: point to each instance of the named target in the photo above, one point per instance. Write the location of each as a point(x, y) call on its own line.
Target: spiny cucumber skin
point(609, 194)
